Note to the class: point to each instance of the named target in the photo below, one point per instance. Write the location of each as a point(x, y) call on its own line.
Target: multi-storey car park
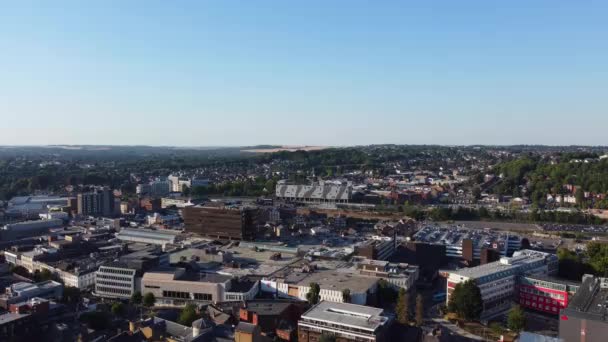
point(462, 243)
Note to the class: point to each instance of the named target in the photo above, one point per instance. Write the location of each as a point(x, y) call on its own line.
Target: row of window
point(202, 296)
point(186, 295)
point(113, 290)
point(539, 299)
point(539, 306)
point(118, 271)
point(110, 283)
point(176, 294)
point(111, 277)
point(541, 293)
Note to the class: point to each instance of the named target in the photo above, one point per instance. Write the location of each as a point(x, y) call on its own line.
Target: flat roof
point(553, 280)
point(352, 315)
point(482, 270)
point(9, 317)
point(333, 280)
point(589, 301)
point(267, 307)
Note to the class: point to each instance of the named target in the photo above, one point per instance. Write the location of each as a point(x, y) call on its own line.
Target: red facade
point(542, 299)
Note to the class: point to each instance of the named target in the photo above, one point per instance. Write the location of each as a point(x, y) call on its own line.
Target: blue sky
point(194, 73)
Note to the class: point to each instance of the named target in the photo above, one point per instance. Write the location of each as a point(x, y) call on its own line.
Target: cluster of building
point(251, 266)
point(499, 281)
point(173, 183)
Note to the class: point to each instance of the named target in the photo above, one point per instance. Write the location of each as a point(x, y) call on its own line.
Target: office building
point(429, 258)
point(497, 280)
point(178, 183)
point(149, 236)
point(271, 315)
point(346, 322)
point(296, 285)
point(545, 294)
point(489, 255)
point(32, 206)
point(170, 220)
point(20, 230)
point(150, 204)
point(99, 202)
point(225, 223)
point(399, 274)
point(121, 278)
point(22, 291)
point(116, 281)
point(321, 192)
point(156, 188)
point(586, 317)
point(376, 249)
point(176, 287)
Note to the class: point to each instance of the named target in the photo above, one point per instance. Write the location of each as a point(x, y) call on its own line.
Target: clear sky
point(323, 72)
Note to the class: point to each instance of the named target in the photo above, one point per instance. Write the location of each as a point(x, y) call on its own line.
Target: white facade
point(115, 282)
point(242, 296)
point(284, 290)
point(497, 280)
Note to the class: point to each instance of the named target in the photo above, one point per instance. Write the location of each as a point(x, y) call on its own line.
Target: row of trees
point(256, 187)
point(573, 265)
point(470, 214)
point(542, 177)
point(403, 308)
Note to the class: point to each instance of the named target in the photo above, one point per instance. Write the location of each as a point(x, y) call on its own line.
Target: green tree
point(386, 293)
point(496, 328)
point(465, 301)
point(45, 275)
point(136, 298)
point(118, 309)
point(598, 257)
point(22, 271)
point(313, 294)
point(71, 295)
point(188, 315)
point(96, 320)
point(419, 310)
point(149, 300)
point(346, 295)
point(403, 307)
point(516, 320)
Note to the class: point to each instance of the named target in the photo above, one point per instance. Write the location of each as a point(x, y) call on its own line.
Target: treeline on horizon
point(540, 177)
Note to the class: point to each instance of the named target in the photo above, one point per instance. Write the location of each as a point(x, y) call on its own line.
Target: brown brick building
point(222, 222)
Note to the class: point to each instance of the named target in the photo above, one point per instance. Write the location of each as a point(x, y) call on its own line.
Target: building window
point(202, 296)
point(176, 294)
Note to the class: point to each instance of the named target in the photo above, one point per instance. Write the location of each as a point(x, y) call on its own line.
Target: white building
point(155, 237)
point(169, 220)
point(346, 322)
point(178, 183)
point(332, 283)
point(322, 192)
point(497, 280)
point(116, 281)
point(400, 275)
